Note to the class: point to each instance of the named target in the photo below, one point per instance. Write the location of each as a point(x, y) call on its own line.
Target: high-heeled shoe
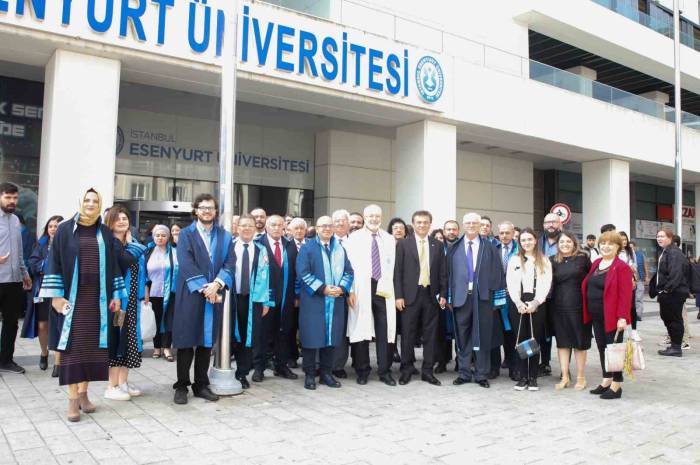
point(563, 384)
point(599, 390)
point(580, 383)
point(54, 372)
point(43, 362)
point(73, 414)
point(85, 404)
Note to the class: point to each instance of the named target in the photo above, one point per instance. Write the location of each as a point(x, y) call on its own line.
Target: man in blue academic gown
point(281, 318)
point(503, 328)
point(206, 266)
point(326, 277)
point(476, 286)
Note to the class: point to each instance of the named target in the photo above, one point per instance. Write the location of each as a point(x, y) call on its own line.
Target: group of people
point(329, 290)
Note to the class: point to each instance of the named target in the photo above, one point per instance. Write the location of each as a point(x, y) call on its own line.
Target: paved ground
point(280, 422)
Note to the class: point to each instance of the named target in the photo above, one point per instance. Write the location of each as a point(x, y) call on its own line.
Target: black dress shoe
point(11, 367)
point(671, 351)
point(258, 376)
point(415, 371)
point(244, 382)
point(329, 381)
point(610, 394)
point(599, 390)
point(404, 379)
point(388, 379)
point(544, 370)
point(484, 383)
point(54, 372)
point(430, 379)
point(504, 364)
point(180, 396)
point(206, 394)
point(309, 382)
point(459, 381)
point(342, 374)
point(362, 379)
point(514, 375)
point(43, 362)
point(440, 368)
point(285, 373)
point(493, 374)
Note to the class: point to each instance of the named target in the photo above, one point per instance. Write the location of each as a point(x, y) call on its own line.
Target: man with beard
point(260, 221)
point(206, 262)
point(357, 221)
point(443, 352)
point(548, 244)
point(14, 278)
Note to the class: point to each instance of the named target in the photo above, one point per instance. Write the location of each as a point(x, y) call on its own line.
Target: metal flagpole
point(678, 206)
point(221, 377)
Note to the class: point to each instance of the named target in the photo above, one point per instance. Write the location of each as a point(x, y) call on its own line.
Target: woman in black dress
point(85, 283)
point(569, 267)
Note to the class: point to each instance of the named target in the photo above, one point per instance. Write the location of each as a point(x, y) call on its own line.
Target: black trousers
point(464, 325)
point(341, 352)
point(254, 356)
point(294, 349)
point(530, 366)
point(325, 356)
point(201, 356)
point(11, 306)
point(443, 345)
point(161, 339)
point(282, 322)
point(671, 310)
point(423, 313)
point(360, 350)
point(510, 356)
point(602, 339)
point(545, 338)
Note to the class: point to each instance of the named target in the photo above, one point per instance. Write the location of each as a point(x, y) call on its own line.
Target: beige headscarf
point(89, 220)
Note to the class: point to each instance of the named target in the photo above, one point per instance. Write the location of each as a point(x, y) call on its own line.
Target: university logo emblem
point(430, 79)
point(120, 140)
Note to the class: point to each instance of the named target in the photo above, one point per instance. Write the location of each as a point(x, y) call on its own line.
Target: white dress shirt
point(238, 250)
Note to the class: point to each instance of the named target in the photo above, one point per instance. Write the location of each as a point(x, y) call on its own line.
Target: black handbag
point(529, 347)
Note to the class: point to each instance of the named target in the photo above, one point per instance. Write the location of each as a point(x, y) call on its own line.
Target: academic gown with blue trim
point(322, 318)
point(61, 280)
point(196, 322)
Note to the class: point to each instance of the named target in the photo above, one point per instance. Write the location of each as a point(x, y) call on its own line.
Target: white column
point(426, 167)
point(79, 130)
point(606, 195)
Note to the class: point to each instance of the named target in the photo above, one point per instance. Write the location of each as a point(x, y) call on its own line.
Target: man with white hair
point(298, 228)
point(341, 230)
point(476, 283)
point(372, 252)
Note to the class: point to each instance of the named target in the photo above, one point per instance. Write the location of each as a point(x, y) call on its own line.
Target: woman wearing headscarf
point(161, 275)
point(36, 321)
point(127, 324)
point(85, 283)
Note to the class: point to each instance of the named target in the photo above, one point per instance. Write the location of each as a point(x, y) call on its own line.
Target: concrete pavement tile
point(102, 449)
point(64, 444)
point(38, 456)
point(48, 428)
point(76, 458)
point(24, 440)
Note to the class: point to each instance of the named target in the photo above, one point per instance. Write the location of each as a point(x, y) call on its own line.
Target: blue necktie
point(470, 263)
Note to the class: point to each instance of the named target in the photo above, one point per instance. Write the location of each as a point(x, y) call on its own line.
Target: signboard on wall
point(172, 146)
point(645, 229)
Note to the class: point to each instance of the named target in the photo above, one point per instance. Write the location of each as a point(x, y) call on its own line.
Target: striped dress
point(84, 360)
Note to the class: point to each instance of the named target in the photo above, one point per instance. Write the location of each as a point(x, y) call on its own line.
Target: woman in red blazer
point(607, 300)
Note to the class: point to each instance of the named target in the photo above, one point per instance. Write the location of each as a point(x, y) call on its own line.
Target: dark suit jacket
point(277, 289)
point(407, 269)
point(489, 272)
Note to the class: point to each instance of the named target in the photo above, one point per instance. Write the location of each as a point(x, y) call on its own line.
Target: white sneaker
point(635, 336)
point(116, 393)
point(685, 346)
point(130, 389)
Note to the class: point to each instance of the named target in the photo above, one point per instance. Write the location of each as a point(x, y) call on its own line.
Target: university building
point(503, 108)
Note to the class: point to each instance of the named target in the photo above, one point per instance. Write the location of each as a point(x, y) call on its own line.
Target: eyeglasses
point(324, 226)
point(206, 209)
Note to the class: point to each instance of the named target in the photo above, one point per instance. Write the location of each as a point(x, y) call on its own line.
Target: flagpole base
point(223, 382)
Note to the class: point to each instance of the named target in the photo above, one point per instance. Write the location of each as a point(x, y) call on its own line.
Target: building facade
point(450, 106)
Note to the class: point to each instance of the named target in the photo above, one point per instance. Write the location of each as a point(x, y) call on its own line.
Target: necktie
point(245, 271)
point(470, 264)
point(376, 263)
point(278, 253)
point(505, 257)
point(424, 279)
point(328, 249)
point(298, 245)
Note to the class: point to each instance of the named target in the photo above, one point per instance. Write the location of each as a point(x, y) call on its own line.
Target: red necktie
point(278, 253)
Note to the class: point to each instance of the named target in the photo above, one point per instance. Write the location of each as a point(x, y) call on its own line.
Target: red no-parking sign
point(563, 211)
